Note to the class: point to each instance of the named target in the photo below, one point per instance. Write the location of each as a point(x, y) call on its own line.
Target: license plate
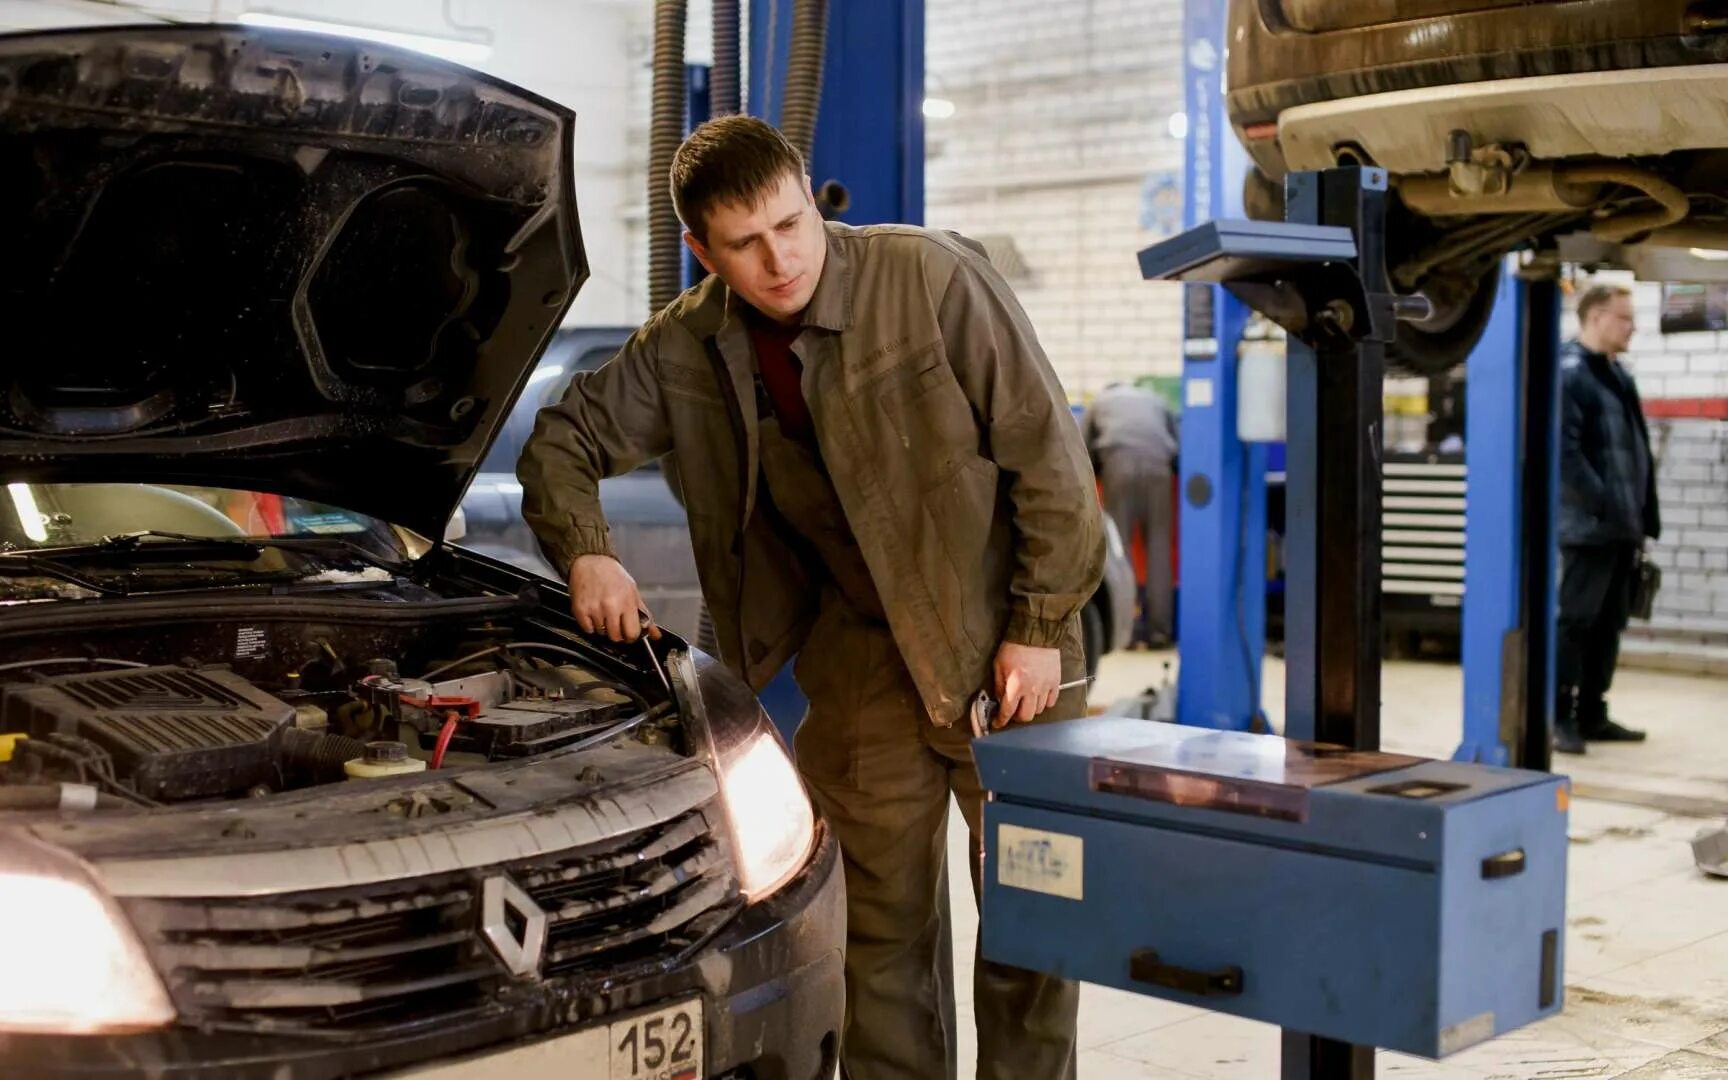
point(665, 1044)
point(661, 1045)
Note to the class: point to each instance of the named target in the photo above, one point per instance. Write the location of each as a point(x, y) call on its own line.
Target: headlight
point(773, 826)
point(73, 965)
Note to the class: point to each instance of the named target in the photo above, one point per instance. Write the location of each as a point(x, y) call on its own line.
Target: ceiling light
point(1710, 254)
point(1179, 125)
point(937, 108)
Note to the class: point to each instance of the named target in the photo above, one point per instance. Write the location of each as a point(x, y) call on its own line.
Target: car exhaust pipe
point(1544, 187)
point(1539, 188)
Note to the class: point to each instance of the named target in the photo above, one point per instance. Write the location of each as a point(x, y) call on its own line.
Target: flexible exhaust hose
point(804, 56)
point(665, 132)
point(725, 94)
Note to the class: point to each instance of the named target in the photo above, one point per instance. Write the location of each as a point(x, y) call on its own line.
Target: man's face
point(770, 254)
point(1612, 325)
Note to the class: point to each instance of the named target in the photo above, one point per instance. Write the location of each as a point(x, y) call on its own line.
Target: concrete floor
point(1647, 934)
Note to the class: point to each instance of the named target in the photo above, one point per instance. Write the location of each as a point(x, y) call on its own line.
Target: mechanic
point(883, 477)
point(1133, 440)
point(1607, 509)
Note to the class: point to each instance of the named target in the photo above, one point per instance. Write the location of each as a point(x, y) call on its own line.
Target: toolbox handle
point(1504, 865)
point(1144, 966)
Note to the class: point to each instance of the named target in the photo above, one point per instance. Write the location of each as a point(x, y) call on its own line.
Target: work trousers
point(1137, 496)
point(883, 775)
point(1595, 603)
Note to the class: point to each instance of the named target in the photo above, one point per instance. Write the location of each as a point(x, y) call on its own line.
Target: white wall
point(1062, 112)
point(580, 53)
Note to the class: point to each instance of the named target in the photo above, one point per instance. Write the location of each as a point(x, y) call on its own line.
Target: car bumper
point(771, 984)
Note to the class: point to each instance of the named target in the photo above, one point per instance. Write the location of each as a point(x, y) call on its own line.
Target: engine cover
point(174, 732)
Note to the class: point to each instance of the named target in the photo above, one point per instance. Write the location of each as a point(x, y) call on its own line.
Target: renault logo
point(513, 924)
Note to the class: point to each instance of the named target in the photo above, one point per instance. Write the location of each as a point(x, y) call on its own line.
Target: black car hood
point(272, 261)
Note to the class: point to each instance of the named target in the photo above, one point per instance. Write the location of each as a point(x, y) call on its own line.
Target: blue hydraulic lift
point(1221, 607)
point(1512, 441)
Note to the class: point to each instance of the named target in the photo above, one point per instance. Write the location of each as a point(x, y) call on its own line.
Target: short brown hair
point(1597, 295)
point(733, 160)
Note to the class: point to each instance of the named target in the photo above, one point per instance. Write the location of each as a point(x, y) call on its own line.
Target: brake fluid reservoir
point(382, 759)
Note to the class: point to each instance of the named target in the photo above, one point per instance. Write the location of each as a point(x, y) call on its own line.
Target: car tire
point(1444, 342)
point(1092, 636)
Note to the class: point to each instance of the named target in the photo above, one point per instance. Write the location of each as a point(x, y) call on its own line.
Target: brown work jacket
point(945, 432)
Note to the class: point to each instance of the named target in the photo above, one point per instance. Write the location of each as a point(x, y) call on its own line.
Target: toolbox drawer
point(1316, 941)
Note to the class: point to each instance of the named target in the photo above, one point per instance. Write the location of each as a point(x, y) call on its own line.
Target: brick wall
point(1061, 115)
point(1679, 376)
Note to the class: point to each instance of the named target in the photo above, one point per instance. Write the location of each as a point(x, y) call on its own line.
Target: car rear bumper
point(1272, 67)
point(771, 984)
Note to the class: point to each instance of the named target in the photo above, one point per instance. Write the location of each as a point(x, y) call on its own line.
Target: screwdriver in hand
point(985, 707)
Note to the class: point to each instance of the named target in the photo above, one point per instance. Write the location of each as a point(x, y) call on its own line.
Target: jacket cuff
point(582, 538)
point(1025, 628)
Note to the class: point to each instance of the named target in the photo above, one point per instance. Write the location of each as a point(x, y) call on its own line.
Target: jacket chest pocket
point(928, 416)
point(688, 385)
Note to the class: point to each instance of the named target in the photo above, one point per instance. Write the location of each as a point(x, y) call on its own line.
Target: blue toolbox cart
point(1368, 898)
point(1356, 899)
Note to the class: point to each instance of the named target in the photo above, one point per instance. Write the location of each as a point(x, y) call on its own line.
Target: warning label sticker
point(251, 643)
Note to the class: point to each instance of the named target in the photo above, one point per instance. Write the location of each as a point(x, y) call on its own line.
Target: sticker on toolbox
point(1039, 861)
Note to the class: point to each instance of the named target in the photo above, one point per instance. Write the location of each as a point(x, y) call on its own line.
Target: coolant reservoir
point(382, 759)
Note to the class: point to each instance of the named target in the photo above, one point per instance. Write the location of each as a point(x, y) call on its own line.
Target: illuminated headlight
point(773, 826)
point(73, 965)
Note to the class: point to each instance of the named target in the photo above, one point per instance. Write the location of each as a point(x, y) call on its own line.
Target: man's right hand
point(605, 600)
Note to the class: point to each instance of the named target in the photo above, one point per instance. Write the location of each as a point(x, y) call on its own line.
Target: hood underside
point(275, 261)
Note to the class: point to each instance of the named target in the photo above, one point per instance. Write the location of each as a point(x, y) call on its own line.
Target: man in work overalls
point(882, 477)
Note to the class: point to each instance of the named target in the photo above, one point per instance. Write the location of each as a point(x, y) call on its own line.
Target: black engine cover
point(175, 733)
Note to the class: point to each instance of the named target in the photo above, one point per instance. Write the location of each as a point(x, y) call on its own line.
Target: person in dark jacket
point(1607, 511)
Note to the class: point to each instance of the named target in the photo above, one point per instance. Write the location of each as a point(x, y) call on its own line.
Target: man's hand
point(1026, 681)
point(605, 600)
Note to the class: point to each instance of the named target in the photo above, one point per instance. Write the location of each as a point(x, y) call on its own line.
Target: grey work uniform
point(1133, 438)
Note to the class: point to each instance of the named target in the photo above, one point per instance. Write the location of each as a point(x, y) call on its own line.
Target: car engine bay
point(248, 709)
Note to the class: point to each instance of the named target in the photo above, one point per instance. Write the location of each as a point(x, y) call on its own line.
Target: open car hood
point(272, 261)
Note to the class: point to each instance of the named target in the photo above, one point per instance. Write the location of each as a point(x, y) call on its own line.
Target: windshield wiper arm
point(121, 543)
point(314, 543)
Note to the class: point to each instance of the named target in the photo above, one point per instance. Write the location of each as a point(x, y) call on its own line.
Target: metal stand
point(1321, 275)
point(1332, 614)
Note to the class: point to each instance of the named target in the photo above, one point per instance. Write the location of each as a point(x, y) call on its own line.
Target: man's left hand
point(1027, 678)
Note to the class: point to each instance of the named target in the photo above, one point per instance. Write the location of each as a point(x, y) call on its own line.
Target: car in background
point(1595, 131)
point(289, 787)
point(649, 528)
